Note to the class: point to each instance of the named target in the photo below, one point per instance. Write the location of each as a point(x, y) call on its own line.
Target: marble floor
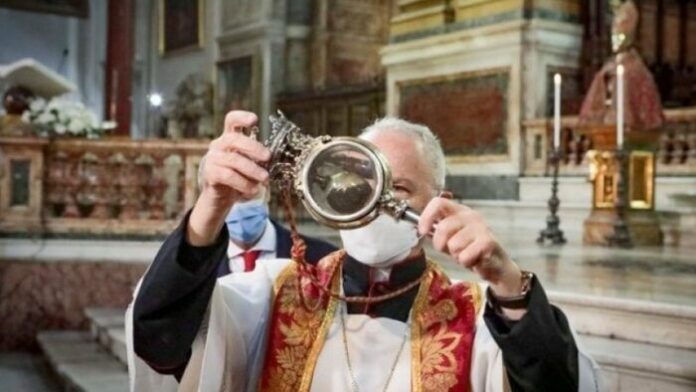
point(650, 274)
point(21, 371)
point(654, 274)
point(642, 273)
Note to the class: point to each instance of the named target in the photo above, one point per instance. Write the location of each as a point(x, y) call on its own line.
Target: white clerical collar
point(267, 242)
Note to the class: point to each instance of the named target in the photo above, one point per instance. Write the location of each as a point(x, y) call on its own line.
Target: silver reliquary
point(344, 182)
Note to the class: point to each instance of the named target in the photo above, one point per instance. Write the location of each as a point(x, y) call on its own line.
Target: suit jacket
point(316, 249)
point(174, 293)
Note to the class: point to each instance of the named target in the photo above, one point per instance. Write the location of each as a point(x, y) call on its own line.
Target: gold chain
point(374, 299)
point(354, 382)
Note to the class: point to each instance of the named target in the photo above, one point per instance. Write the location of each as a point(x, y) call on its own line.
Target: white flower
point(76, 126)
point(91, 119)
point(61, 117)
point(37, 105)
point(45, 118)
point(53, 104)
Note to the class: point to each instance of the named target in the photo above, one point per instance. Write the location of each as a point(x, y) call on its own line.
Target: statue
point(643, 106)
point(623, 203)
point(192, 110)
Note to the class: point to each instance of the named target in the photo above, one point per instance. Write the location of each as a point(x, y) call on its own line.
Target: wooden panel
point(336, 113)
point(646, 31)
point(572, 92)
point(20, 182)
point(237, 85)
point(691, 35)
point(361, 115)
point(671, 39)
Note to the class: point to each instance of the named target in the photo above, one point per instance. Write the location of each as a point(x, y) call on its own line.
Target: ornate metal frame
point(292, 155)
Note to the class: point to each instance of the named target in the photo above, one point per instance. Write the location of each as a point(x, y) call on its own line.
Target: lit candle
point(557, 111)
point(619, 106)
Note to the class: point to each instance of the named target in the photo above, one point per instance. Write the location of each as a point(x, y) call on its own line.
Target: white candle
point(619, 106)
point(557, 111)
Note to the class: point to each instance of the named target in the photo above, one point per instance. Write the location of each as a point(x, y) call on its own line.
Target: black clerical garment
point(174, 294)
point(539, 351)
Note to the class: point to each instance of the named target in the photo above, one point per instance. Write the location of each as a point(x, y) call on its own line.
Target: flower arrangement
point(59, 117)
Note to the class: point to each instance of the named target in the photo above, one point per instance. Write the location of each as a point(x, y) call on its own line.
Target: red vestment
point(442, 329)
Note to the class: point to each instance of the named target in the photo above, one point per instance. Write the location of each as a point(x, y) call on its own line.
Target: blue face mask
point(246, 222)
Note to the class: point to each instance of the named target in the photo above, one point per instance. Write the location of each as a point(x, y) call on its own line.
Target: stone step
point(81, 364)
point(603, 325)
point(627, 319)
point(632, 366)
point(101, 319)
point(108, 329)
point(23, 371)
point(91, 250)
point(117, 344)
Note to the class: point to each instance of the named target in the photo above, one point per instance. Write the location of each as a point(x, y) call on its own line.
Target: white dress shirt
point(266, 244)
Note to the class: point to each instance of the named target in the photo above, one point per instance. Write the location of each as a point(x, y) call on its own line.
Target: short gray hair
point(430, 144)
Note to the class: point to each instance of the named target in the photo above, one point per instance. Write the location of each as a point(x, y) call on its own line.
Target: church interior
point(570, 125)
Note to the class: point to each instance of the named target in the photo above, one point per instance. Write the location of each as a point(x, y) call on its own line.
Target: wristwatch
point(519, 301)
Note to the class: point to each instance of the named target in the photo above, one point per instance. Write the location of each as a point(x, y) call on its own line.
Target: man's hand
point(463, 234)
point(231, 172)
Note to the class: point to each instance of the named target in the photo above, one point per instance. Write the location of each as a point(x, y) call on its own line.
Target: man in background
point(171, 300)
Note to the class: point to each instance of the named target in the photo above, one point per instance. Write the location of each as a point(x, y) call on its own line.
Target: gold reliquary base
point(604, 174)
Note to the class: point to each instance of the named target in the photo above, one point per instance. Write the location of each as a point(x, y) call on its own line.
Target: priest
point(376, 315)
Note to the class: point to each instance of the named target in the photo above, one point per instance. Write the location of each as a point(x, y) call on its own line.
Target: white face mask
point(382, 242)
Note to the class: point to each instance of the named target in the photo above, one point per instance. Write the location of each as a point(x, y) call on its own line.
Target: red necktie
point(250, 257)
